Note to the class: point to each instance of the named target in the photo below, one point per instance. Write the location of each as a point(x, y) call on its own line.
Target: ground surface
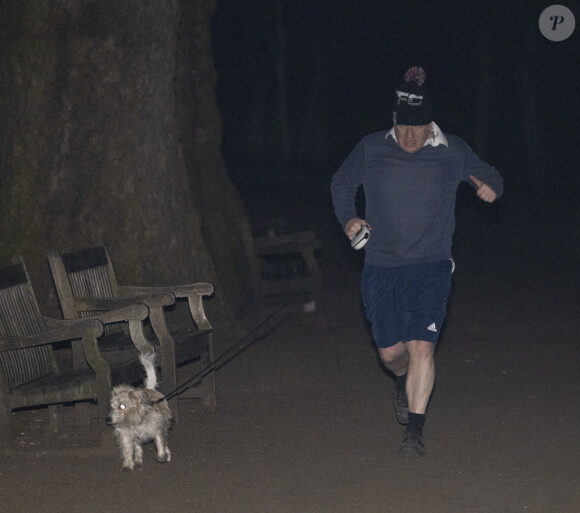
point(305, 421)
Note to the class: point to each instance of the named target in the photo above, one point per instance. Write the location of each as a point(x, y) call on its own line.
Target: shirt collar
point(437, 139)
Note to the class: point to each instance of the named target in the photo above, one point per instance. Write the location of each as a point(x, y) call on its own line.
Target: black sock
point(401, 382)
point(416, 422)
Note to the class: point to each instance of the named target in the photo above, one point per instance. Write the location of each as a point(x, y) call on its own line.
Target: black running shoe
point(401, 406)
point(412, 445)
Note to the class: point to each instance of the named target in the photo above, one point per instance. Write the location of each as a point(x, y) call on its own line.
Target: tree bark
point(91, 144)
point(225, 225)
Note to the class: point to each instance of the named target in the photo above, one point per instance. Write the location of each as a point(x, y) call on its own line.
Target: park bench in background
point(287, 261)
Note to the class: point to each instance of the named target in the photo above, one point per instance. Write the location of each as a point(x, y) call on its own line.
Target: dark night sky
point(360, 51)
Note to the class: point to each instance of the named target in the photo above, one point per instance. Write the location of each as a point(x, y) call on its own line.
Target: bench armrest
point(87, 304)
point(151, 296)
point(76, 329)
point(283, 244)
point(135, 311)
point(191, 289)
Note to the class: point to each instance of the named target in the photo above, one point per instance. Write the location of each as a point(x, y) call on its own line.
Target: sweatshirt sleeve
point(345, 183)
point(488, 174)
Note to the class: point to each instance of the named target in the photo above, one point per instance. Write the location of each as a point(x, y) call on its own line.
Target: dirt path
point(305, 423)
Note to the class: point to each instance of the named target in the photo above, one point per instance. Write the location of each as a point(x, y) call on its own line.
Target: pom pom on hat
point(413, 103)
point(416, 74)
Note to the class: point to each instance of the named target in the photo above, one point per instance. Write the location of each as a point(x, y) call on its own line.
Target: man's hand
point(354, 226)
point(484, 191)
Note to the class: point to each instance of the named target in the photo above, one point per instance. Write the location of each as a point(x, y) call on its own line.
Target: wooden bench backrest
point(20, 316)
point(86, 273)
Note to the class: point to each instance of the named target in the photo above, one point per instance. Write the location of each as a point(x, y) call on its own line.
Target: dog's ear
point(138, 396)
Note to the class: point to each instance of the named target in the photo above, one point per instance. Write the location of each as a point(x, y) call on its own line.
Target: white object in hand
point(361, 238)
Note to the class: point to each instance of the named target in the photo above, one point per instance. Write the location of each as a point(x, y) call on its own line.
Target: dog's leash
point(221, 361)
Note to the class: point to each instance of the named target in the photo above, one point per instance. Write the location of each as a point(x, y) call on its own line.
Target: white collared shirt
point(437, 139)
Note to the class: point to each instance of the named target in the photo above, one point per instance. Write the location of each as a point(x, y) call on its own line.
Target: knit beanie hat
point(412, 102)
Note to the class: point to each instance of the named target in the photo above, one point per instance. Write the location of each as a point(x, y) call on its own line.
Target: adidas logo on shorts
point(432, 327)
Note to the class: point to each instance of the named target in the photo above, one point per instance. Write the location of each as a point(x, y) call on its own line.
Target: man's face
point(412, 138)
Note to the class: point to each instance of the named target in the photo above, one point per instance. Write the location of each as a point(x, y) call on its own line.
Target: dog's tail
point(148, 362)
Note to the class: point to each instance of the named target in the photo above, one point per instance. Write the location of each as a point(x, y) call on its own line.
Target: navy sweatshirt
point(410, 197)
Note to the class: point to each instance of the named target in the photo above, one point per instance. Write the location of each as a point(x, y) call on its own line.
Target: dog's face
point(128, 406)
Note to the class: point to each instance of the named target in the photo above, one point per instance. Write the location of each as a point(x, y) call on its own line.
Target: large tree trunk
point(225, 225)
point(91, 142)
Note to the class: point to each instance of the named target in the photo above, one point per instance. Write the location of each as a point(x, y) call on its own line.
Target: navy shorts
point(406, 303)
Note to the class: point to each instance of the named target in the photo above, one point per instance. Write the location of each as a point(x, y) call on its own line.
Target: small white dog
point(139, 417)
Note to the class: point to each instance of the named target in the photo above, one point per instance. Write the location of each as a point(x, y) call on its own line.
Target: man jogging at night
point(410, 176)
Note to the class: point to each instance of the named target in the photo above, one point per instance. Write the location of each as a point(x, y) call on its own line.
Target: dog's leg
point(138, 454)
point(163, 452)
point(127, 452)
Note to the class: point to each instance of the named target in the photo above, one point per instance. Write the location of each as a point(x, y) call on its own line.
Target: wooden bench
point(31, 375)
point(86, 284)
point(287, 261)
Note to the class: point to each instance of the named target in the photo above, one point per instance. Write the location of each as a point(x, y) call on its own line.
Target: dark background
point(495, 79)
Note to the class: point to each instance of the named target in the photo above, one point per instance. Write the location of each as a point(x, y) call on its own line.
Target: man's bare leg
point(421, 374)
point(420, 382)
point(396, 359)
point(416, 359)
